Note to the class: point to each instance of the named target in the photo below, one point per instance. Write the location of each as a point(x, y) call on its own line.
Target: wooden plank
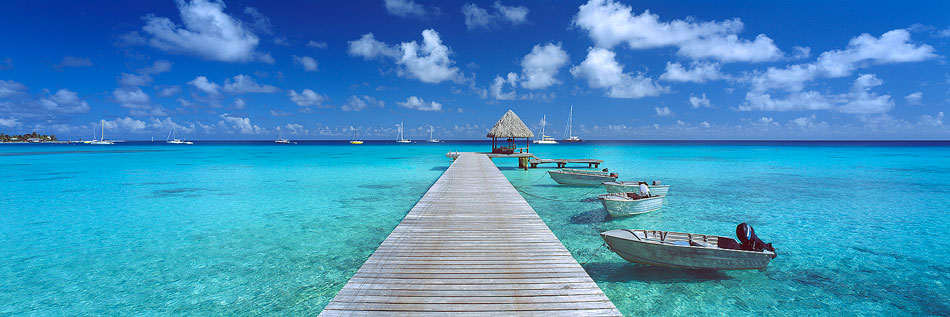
point(471, 293)
point(469, 307)
point(436, 299)
point(358, 287)
point(471, 245)
point(540, 313)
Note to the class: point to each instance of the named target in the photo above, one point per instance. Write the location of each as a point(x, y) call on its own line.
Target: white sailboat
point(354, 140)
point(101, 141)
point(172, 139)
point(569, 132)
point(431, 139)
point(401, 139)
point(280, 138)
point(544, 139)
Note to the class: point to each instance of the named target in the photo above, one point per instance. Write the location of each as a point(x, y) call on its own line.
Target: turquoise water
point(251, 228)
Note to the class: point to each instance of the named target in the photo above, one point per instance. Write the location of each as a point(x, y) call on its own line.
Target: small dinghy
point(568, 176)
point(623, 187)
point(688, 250)
point(628, 204)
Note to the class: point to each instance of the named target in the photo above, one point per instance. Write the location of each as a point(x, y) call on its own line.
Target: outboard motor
point(749, 241)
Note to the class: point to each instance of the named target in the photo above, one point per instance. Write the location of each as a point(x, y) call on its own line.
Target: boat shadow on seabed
point(596, 215)
point(616, 271)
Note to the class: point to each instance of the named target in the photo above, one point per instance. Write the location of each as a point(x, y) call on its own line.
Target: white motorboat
point(686, 250)
point(544, 139)
point(624, 187)
point(568, 176)
point(628, 204)
point(401, 139)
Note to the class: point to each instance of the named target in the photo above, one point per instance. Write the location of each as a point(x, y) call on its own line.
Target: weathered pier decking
point(471, 246)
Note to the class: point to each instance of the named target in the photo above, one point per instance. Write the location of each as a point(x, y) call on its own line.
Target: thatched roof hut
point(510, 126)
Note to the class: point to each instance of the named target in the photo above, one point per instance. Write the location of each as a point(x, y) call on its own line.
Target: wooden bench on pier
point(561, 163)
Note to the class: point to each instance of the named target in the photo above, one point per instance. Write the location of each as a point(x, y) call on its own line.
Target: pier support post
point(523, 163)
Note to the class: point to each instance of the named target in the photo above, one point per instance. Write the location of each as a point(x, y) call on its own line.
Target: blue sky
point(632, 70)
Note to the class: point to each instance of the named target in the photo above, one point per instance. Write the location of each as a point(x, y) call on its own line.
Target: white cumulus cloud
point(232, 124)
point(862, 51)
point(601, 70)
point(406, 9)
point(369, 48)
point(929, 120)
point(9, 88)
point(497, 88)
point(137, 101)
point(206, 32)
point(240, 84)
point(428, 62)
point(611, 23)
point(699, 102)
point(479, 18)
point(63, 101)
point(315, 44)
point(127, 79)
point(698, 73)
point(860, 100)
point(417, 103)
point(308, 63)
point(205, 85)
point(307, 98)
point(8, 122)
point(357, 103)
point(539, 67)
point(914, 98)
point(663, 112)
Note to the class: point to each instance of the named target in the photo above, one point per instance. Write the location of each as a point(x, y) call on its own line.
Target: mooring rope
point(592, 256)
point(576, 199)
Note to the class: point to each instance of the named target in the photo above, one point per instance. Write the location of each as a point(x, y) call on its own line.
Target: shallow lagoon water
point(240, 228)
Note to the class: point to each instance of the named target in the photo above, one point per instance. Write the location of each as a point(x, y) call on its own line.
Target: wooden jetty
point(471, 246)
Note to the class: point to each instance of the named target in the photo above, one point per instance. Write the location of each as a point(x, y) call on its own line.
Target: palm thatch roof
point(510, 126)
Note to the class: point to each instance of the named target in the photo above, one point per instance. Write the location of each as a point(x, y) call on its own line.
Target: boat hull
point(634, 187)
point(651, 250)
point(545, 142)
point(618, 206)
point(579, 179)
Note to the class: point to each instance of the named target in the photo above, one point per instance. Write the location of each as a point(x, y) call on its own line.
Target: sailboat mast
point(544, 120)
point(568, 133)
point(102, 127)
point(570, 123)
